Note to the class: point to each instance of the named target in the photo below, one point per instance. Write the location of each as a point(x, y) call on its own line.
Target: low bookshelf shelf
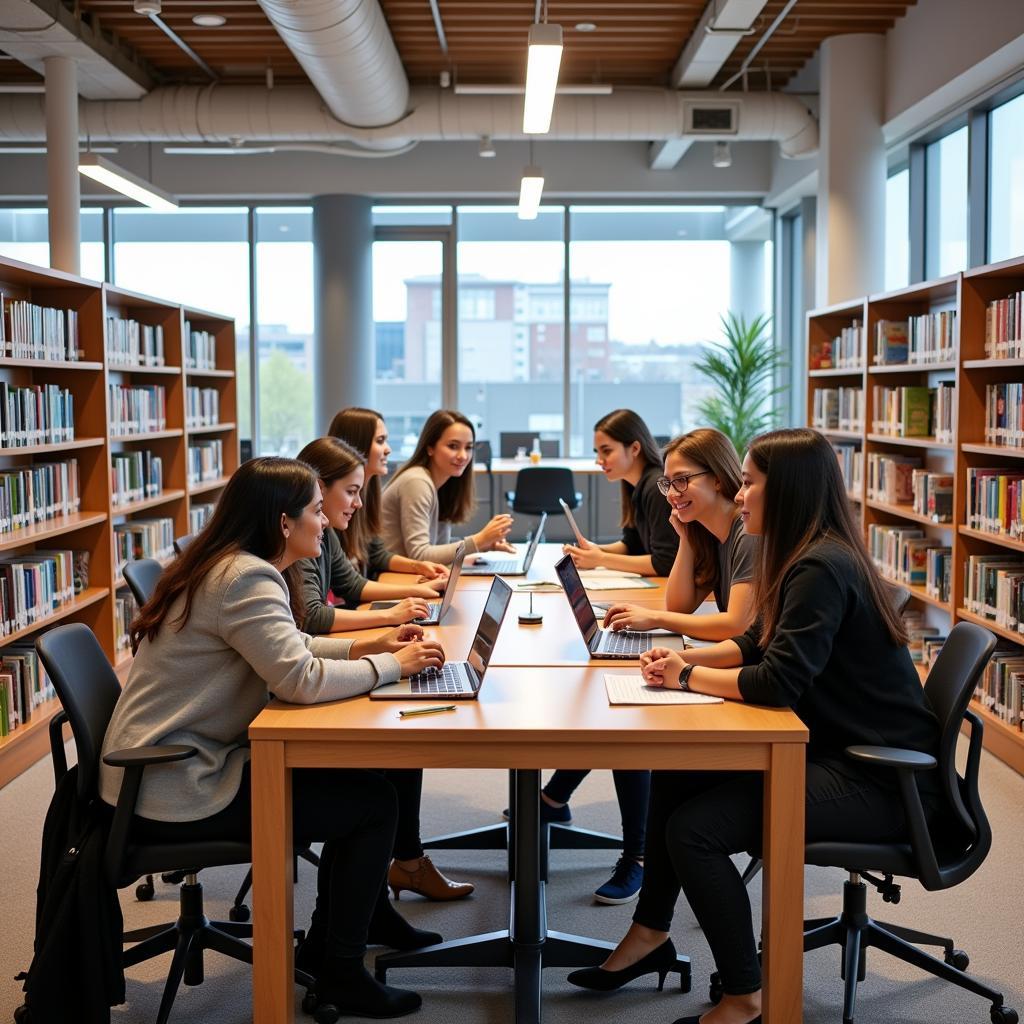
point(963, 312)
point(87, 339)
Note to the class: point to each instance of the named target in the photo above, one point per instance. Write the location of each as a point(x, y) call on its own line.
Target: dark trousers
point(408, 784)
point(352, 812)
point(633, 791)
point(696, 820)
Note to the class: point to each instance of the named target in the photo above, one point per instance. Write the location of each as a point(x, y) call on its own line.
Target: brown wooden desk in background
point(527, 719)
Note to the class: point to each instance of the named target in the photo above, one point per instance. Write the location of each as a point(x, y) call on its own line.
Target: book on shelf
point(851, 465)
point(933, 495)
point(38, 493)
point(30, 331)
point(1001, 686)
point(838, 409)
point(200, 349)
point(890, 342)
point(995, 500)
point(919, 633)
point(904, 554)
point(199, 515)
point(130, 343)
point(33, 586)
point(918, 340)
point(1004, 413)
point(135, 476)
point(143, 538)
point(125, 610)
point(914, 411)
point(136, 409)
point(24, 685)
point(1004, 327)
point(994, 589)
point(205, 461)
point(202, 407)
point(34, 414)
point(891, 477)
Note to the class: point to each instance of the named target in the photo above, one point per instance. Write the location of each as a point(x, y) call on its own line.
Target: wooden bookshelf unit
point(89, 379)
point(970, 371)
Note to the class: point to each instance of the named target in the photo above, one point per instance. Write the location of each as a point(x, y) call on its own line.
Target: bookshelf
point(88, 380)
point(970, 371)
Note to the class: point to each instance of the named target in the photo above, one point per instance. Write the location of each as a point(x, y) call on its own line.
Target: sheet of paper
point(630, 689)
point(616, 583)
point(599, 573)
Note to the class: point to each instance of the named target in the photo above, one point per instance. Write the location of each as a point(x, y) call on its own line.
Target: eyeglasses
point(679, 484)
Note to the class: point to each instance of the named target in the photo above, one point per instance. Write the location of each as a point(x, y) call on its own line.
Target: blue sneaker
point(550, 815)
point(624, 885)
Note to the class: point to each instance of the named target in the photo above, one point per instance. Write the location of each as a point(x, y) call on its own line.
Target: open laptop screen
point(453, 579)
point(490, 622)
point(534, 542)
point(577, 595)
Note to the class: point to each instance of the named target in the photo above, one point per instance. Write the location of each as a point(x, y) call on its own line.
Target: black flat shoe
point(661, 961)
point(696, 1020)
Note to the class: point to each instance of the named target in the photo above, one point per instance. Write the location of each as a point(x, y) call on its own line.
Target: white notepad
point(631, 690)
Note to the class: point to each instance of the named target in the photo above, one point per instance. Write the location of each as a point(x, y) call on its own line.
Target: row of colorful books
point(844, 352)
point(24, 685)
point(851, 465)
point(932, 494)
point(1004, 327)
point(202, 407)
point(30, 331)
point(995, 500)
point(200, 349)
point(33, 586)
point(143, 538)
point(1001, 686)
point(199, 516)
point(838, 409)
point(994, 589)
point(37, 493)
point(915, 411)
point(136, 409)
point(924, 641)
point(1004, 414)
point(130, 343)
point(205, 461)
point(905, 554)
point(135, 476)
point(125, 610)
point(929, 338)
point(35, 414)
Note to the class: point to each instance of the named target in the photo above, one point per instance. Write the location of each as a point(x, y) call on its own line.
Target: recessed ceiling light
point(208, 20)
point(586, 26)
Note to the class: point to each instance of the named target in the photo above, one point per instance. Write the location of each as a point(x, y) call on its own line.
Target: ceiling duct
point(239, 114)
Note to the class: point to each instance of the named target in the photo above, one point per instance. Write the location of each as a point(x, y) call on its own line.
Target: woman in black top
point(627, 452)
point(830, 646)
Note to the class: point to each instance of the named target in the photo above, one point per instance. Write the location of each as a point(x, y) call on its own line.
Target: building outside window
point(945, 250)
point(1006, 181)
point(24, 236)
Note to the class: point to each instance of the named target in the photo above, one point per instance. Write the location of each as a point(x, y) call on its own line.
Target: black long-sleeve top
point(832, 661)
point(652, 533)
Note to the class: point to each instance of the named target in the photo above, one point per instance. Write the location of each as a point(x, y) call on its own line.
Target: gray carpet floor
point(985, 916)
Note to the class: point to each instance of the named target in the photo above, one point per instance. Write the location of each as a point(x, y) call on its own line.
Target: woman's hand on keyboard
point(390, 642)
point(406, 610)
point(631, 617)
point(661, 667)
point(415, 657)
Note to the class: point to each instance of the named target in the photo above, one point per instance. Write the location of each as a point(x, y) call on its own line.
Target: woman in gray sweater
point(221, 615)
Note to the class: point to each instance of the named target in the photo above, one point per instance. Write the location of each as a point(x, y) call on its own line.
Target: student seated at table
point(627, 452)
point(366, 431)
point(435, 490)
point(340, 469)
point(714, 555)
point(217, 637)
point(827, 644)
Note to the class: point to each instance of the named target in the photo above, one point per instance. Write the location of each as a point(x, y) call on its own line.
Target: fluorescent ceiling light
point(497, 89)
point(530, 189)
point(108, 173)
point(208, 20)
point(23, 87)
point(543, 60)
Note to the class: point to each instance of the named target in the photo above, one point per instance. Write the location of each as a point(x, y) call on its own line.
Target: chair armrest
point(892, 757)
point(57, 754)
point(139, 757)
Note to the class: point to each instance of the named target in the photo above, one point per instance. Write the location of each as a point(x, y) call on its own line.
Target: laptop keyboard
point(624, 642)
point(506, 565)
point(446, 679)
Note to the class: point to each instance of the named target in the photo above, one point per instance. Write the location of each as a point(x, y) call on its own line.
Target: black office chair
point(538, 489)
point(180, 543)
point(88, 690)
point(483, 456)
point(142, 576)
point(939, 857)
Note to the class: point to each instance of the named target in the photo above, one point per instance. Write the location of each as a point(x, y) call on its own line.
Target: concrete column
point(851, 169)
point(746, 279)
point(343, 355)
point(63, 193)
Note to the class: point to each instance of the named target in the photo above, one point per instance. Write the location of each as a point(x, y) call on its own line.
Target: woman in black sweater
point(830, 646)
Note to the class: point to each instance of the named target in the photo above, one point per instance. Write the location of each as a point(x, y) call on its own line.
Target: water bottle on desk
point(535, 451)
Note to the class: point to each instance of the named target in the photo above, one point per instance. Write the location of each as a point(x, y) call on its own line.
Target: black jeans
point(408, 783)
point(633, 789)
point(697, 819)
point(352, 812)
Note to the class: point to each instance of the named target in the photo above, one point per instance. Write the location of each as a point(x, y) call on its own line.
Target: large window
point(1006, 181)
point(284, 333)
point(945, 250)
point(24, 236)
point(198, 257)
point(897, 230)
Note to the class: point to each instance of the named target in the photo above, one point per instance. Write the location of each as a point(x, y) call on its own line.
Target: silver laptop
point(493, 563)
point(571, 519)
point(436, 610)
point(606, 643)
point(457, 680)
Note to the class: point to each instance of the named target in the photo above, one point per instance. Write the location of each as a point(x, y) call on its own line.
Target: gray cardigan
point(331, 571)
point(203, 684)
point(409, 524)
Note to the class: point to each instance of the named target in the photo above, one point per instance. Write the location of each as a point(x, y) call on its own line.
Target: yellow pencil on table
point(426, 711)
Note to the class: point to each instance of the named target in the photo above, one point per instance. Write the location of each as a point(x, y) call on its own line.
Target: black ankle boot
point(310, 952)
point(661, 961)
point(346, 988)
point(389, 928)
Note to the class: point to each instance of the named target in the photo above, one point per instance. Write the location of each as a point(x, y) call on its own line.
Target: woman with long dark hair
point(828, 644)
point(626, 451)
point(217, 637)
point(435, 490)
point(340, 469)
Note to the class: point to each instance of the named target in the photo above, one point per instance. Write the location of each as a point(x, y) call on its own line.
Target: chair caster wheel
point(326, 1013)
point(22, 1015)
point(1004, 1015)
point(959, 959)
point(145, 891)
point(240, 913)
point(715, 988)
point(309, 1002)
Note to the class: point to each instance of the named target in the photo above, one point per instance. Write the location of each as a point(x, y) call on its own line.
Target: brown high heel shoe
point(427, 881)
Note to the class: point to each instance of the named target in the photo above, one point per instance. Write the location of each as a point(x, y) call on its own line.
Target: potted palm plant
point(744, 371)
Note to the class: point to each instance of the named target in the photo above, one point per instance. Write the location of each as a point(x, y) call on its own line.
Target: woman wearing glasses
point(627, 452)
point(713, 556)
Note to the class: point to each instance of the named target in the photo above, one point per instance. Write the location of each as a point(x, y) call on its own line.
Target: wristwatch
point(684, 677)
